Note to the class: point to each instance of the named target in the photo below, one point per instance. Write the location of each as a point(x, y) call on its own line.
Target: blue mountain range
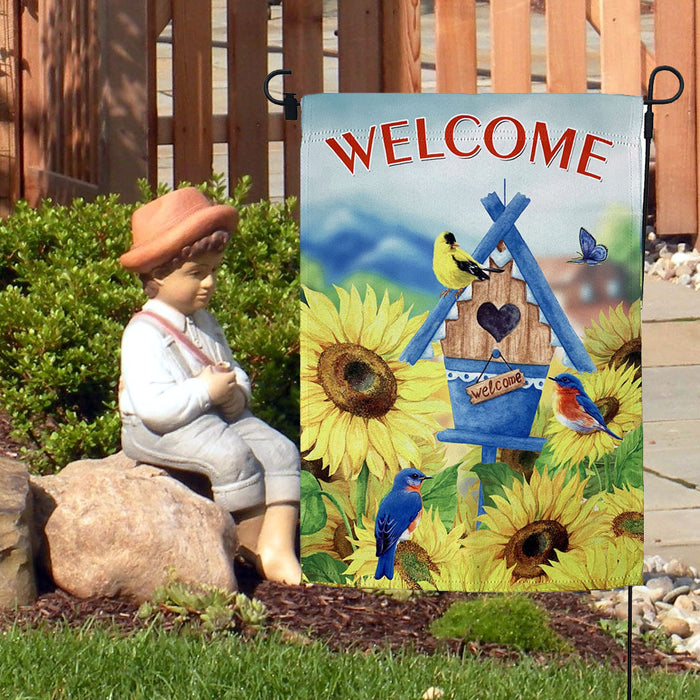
point(351, 240)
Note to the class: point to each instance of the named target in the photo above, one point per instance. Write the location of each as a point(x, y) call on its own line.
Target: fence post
point(127, 134)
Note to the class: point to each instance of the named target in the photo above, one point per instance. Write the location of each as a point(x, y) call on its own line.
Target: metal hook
point(289, 103)
point(650, 90)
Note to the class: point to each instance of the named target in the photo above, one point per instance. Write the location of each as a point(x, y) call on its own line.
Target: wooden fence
point(83, 100)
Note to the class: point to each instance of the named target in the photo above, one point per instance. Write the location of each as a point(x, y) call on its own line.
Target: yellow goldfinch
point(454, 268)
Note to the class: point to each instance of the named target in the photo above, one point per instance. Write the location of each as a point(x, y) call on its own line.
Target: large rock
point(112, 528)
point(17, 583)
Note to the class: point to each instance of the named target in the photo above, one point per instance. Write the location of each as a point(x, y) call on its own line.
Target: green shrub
point(513, 620)
point(64, 301)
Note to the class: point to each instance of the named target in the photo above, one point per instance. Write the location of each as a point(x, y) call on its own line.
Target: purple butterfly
point(591, 253)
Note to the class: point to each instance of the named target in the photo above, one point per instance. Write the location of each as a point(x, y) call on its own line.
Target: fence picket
point(303, 50)
point(247, 107)
point(192, 96)
point(620, 58)
point(675, 135)
point(511, 57)
point(359, 46)
point(566, 46)
point(401, 46)
point(455, 46)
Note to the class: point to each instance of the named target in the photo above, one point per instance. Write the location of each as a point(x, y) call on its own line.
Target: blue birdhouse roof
point(525, 267)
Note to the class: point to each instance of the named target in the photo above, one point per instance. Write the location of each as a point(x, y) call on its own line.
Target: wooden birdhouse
point(498, 340)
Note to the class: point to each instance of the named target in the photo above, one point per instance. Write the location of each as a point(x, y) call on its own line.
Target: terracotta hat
point(162, 228)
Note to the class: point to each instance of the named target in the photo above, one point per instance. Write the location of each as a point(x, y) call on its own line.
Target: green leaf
point(321, 567)
point(494, 478)
point(441, 492)
point(313, 514)
point(629, 460)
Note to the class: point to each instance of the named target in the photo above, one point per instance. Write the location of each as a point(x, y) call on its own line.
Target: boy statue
point(183, 399)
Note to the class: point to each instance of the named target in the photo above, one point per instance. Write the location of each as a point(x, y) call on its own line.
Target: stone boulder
point(113, 528)
point(17, 582)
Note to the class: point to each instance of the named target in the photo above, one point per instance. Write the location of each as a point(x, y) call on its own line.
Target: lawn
point(98, 662)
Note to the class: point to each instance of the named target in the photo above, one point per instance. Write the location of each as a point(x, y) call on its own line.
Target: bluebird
point(398, 516)
point(575, 409)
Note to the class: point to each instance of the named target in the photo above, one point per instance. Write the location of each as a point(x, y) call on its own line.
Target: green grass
point(513, 620)
point(97, 663)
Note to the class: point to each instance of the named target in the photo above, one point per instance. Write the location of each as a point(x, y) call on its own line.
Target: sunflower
point(359, 403)
point(617, 341)
point(333, 537)
point(528, 528)
point(422, 562)
point(623, 516)
point(607, 566)
point(618, 395)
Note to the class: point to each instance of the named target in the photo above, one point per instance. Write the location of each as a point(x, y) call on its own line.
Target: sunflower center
point(535, 544)
point(609, 407)
point(414, 563)
point(340, 541)
point(628, 354)
point(629, 524)
point(357, 380)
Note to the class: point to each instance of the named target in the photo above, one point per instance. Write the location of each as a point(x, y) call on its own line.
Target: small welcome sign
point(470, 325)
point(496, 386)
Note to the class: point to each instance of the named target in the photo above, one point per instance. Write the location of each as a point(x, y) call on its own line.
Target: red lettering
point(519, 140)
point(363, 155)
point(450, 135)
point(565, 144)
point(390, 142)
point(587, 154)
point(421, 133)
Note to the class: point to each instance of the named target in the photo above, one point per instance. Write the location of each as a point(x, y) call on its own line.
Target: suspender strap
point(179, 336)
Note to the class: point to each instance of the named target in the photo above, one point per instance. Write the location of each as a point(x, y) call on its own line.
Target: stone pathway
point(671, 396)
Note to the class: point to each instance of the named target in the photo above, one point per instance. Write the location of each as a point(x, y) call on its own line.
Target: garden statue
point(184, 401)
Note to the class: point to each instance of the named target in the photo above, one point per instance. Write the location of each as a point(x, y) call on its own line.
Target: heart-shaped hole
point(498, 322)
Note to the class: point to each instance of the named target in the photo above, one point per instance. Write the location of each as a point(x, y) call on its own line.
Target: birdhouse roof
point(525, 267)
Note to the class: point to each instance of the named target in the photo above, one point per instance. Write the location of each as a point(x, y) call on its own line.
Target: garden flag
point(471, 409)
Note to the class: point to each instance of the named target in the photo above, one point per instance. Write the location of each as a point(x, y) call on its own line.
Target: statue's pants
point(247, 462)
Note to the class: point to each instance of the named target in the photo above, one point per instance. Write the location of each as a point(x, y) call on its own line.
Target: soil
point(350, 619)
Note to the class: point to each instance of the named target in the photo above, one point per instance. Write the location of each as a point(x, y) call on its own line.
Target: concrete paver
point(671, 393)
point(673, 343)
point(672, 448)
point(665, 301)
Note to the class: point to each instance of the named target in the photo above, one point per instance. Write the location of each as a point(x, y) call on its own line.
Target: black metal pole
point(648, 136)
point(629, 642)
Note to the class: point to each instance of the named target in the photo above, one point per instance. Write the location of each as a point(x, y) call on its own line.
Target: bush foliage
point(64, 302)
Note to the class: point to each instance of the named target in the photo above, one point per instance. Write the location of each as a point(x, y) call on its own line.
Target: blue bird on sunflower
point(397, 517)
point(573, 407)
